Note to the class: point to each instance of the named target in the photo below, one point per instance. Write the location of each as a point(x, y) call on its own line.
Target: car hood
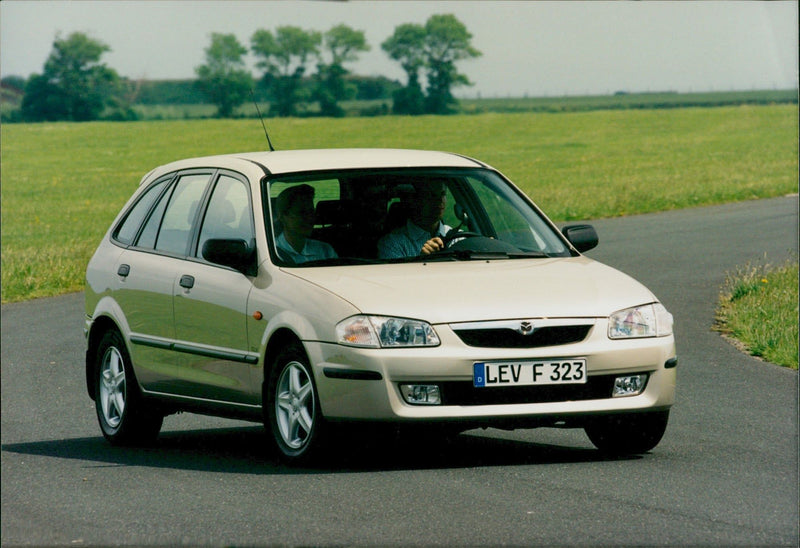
point(447, 292)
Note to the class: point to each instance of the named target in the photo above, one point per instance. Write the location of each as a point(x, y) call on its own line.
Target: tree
point(434, 47)
point(342, 44)
point(13, 82)
point(283, 58)
point(224, 78)
point(74, 85)
point(407, 45)
point(446, 41)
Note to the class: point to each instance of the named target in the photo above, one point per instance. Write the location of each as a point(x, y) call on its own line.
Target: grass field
point(63, 183)
point(566, 103)
point(759, 308)
point(622, 101)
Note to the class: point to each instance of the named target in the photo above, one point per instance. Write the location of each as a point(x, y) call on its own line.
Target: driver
point(424, 230)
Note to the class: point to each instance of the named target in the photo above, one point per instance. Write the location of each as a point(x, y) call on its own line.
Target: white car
point(305, 288)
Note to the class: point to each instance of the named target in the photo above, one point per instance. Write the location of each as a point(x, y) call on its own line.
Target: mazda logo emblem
point(525, 328)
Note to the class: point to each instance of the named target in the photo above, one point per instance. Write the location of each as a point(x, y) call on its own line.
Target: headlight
point(651, 320)
point(385, 332)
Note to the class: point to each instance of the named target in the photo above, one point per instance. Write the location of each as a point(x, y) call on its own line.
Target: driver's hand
point(432, 246)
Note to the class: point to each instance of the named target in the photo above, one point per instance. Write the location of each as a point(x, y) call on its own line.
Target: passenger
point(424, 230)
point(295, 212)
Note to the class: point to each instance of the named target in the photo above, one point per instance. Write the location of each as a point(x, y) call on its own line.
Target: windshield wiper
point(529, 255)
point(467, 255)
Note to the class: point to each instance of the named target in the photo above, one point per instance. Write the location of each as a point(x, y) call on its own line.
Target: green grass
point(658, 100)
point(63, 183)
point(759, 309)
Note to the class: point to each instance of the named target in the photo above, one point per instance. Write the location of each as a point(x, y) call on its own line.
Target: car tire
point(291, 406)
point(628, 434)
point(121, 410)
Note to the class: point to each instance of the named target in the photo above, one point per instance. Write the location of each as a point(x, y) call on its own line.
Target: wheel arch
point(281, 338)
point(100, 326)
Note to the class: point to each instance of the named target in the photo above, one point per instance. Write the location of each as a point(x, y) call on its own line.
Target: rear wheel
point(628, 434)
point(121, 411)
point(291, 405)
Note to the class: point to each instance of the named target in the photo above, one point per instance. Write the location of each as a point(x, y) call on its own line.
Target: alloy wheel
point(112, 387)
point(294, 405)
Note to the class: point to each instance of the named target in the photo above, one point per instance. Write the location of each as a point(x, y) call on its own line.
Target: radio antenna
point(258, 110)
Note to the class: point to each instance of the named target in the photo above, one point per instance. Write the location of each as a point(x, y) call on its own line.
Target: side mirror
point(234, 253)
point(582, 237)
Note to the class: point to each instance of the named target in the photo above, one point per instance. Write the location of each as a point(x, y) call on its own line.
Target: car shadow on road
point(248, 450)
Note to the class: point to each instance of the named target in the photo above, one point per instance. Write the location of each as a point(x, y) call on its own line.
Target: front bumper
point(363, 384)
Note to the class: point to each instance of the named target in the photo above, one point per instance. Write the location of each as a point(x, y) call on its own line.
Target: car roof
point(294, 161)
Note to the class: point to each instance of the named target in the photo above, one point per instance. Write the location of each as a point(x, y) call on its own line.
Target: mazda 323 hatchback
point(306, 288)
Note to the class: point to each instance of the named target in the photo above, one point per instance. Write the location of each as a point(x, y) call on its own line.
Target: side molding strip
point(196, 350)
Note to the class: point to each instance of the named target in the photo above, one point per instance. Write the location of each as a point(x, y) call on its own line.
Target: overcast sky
point(533, 48)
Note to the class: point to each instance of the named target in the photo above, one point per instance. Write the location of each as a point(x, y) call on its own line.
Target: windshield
point(354, 217)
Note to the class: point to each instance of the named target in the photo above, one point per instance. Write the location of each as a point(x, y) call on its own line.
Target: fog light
point(631, 385)
point(421, 394)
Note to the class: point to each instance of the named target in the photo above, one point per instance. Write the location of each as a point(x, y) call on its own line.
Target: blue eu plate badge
point(479, 375)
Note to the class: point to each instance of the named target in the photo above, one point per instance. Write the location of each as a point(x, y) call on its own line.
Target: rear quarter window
point(126, 231)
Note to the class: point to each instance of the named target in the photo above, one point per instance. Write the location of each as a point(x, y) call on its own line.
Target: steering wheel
point(453, 235)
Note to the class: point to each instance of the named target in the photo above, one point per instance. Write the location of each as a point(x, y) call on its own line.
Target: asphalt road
point(726, 472)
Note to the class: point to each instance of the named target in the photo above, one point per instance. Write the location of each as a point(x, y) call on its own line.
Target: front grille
point(509, 338)
point(464, 393)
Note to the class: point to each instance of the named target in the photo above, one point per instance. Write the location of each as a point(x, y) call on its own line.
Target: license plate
point(526, 373)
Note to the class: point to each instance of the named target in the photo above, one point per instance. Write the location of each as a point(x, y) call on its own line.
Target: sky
point(529, 48)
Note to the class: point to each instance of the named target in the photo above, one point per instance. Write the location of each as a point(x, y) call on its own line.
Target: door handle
point(187, 281)
point(124, 270)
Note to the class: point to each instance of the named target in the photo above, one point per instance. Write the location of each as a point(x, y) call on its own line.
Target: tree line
point(297, 67)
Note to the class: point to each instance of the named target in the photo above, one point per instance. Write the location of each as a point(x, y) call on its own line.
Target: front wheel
point(121, 411)
point(292, 409)
point(628, 434)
